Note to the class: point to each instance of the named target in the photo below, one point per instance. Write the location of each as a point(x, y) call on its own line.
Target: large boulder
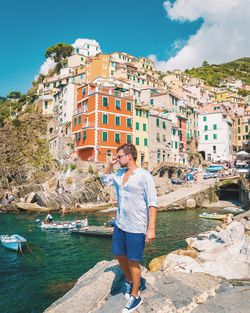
point(190, 204)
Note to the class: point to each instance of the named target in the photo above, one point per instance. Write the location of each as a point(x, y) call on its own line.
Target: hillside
point(214, 74)
point(24, 150)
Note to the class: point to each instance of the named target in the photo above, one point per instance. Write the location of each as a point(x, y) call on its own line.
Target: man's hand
point(109, 165)
point(113, 161)
point(150, 236)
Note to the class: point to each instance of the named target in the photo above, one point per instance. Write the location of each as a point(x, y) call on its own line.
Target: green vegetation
point(59, 53)
point(41, 156)
point(214, 74)
point(14, 103)
point(72, 166)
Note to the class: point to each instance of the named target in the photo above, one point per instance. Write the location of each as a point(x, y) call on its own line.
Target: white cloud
point(48, 65)
point(223, 35)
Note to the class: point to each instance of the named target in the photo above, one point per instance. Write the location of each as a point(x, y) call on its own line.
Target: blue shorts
point(128, 244)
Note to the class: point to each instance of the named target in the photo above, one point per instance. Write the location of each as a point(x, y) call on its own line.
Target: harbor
point(58, 259)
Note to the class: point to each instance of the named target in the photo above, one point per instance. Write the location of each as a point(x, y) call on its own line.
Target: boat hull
point(213, 217)
point(17, 243)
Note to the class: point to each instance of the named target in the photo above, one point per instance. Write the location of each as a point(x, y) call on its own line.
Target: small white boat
point(213, 216)
point(63, 225)
point(13, 242)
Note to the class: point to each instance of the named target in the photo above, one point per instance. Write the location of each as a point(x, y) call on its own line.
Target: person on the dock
point(136, 217)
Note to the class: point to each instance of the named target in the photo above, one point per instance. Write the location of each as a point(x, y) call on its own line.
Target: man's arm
point(107, 177)
point(150, 236)
point(151, 198)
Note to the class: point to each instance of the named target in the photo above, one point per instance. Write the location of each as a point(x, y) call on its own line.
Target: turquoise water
point(30, 283)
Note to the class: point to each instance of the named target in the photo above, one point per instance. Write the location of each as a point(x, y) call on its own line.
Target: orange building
point(103, 121)
point(97, 66)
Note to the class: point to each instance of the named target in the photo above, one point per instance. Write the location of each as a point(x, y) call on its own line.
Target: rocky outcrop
point(25, 157)
point(101, 291)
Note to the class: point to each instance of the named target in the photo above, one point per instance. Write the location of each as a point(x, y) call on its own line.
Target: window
point(144, 126)
point(215, 126)
point(105, 101)
point(117, 137)
point(239, 137)
point(105, 118)
point(151, 101)
point(117, 103)
point(205, 127)
point(78, 136)
point(214, 149)
point(79, 120)
point(238, 129)
point(75, 121)
point(164, 138)
point(129, 106)
point(129, 140)
point(157, 122)
point(147, 114)
point(145, 141)
point(176, 145)
point(104, 136)
point(137, 112)
point(137, 141)
point(46, 105)
point(215, 136)
point(129, 122)
point(206, 137)
point(137, 125)
point(83, 91)
point(158, 156)
point(84, 135)
point(158, 137)
point(246, 129)
point(117, 120)
point(204, 118)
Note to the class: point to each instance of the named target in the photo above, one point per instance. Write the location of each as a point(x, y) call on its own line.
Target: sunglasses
point(120, 156)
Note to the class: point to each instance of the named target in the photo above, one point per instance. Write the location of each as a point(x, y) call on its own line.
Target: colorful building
point(140, 138)
point(103, 121)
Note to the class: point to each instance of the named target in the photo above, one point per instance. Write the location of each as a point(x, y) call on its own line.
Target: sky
point(176, 34)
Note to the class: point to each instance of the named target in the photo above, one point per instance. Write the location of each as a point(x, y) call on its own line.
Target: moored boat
point(13, 242)
point(213, 216)
point(63, 225)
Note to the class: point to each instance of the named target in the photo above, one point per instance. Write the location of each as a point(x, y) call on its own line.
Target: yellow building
point(243, 129)
point(140, 134)
point(98, 66)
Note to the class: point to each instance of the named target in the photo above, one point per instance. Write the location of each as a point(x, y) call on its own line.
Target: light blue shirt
point(134, 198)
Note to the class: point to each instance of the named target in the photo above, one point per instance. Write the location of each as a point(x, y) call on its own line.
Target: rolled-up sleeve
point(150, 192)
point(108, 179)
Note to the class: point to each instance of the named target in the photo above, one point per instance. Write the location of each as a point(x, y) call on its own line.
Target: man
point(135, 220)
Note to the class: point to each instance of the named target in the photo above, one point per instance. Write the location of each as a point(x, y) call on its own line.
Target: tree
point(59, 52)
point(205, 63)
point(14, 95)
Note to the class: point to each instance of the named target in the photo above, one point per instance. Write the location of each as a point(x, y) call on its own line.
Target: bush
point(69, 180)
point(72, 166)
point(90, 169)
point(16, 122)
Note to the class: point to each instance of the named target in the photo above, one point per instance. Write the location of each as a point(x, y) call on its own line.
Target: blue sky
point(28, 28)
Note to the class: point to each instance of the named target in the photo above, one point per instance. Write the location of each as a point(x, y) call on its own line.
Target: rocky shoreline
point(212, 275)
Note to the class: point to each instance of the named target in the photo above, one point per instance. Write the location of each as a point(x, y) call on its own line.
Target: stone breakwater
point(211, 276)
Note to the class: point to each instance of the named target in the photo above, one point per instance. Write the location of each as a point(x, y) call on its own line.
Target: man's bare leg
point(135, 271)
point(123, 261)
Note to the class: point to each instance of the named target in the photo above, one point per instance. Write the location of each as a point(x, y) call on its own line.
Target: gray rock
point(31, 197)
point(100, 291)
point(190, 204)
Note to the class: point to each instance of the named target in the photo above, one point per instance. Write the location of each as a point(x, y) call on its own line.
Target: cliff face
point(25, 157)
